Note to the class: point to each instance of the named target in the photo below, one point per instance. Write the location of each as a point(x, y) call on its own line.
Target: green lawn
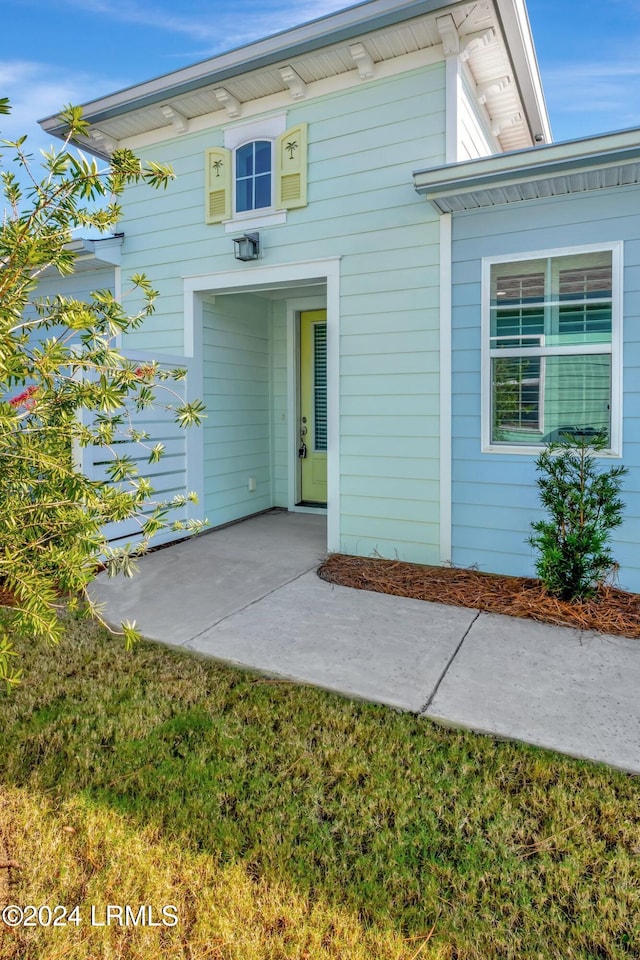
point(285, 822)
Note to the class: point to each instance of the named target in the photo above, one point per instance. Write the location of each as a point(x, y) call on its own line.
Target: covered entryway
point(266, 341)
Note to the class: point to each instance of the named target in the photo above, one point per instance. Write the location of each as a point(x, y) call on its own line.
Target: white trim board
point(294, 308)
point(285, 276)
point(445, 389)
point(453, 94)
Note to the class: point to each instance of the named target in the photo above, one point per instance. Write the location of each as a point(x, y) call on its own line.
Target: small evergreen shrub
point(584, 507)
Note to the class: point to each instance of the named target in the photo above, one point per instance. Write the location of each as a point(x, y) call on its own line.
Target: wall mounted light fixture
point(247, 247)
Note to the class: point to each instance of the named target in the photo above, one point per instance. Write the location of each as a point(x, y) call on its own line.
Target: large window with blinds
point(551, 348)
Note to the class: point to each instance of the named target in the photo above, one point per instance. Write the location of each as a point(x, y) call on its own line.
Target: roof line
point(622, 147)
point(332, 28)
point(516, 28)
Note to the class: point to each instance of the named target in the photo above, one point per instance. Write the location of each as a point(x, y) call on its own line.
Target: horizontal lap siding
point(168, 476)
point(78, 286)
point(236, 387)
point(364, 144)
point(495, 497)
point(389, 360)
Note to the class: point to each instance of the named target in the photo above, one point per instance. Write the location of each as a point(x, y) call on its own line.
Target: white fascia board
point(102, 249)
point(516, 28)
point(108, 249)
point(532, 163)
point(333, 28)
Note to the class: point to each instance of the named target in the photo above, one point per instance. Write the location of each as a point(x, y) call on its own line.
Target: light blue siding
point(364, 143)
point(237, 444)
point(78, 286)
point(495, 497)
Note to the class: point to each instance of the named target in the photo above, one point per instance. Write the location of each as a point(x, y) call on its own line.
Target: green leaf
point(65, 387)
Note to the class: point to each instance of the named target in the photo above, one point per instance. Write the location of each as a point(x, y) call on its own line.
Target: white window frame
point(265, 128)
point(615, 348)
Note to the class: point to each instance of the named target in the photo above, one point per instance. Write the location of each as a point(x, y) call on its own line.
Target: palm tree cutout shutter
point(217, 185)
point(291, 168)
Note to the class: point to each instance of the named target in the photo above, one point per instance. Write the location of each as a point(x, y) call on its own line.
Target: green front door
point(313, 406)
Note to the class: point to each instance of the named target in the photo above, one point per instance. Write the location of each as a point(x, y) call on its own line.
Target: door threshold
point(316, 504)
point(316, 509)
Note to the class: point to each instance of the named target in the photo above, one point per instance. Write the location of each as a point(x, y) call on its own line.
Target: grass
point(285, 822)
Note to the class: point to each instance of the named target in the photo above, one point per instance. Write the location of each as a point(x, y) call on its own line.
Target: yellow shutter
point(291, 168)
point(217, 178)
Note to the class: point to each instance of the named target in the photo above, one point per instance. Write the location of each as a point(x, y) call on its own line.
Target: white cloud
point(36, 90)
point(198, 27)
point(214, 30)
point(593, 97)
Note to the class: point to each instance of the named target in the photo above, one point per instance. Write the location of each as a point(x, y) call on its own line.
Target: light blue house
point(354, 342)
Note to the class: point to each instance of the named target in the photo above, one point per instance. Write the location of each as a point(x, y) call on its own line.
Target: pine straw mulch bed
point(611, 611)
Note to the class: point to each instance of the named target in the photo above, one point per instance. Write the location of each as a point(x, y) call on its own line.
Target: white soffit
point(190, 92)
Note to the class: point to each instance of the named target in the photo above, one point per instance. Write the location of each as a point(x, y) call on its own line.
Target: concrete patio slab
point(386, 649)
point(551, 686)
point(181, 590)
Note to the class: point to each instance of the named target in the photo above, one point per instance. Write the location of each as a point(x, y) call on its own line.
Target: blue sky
point(52, 53)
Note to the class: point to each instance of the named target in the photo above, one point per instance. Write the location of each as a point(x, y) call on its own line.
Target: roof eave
point(440, 184)
point(517, 31)
point(333, 28)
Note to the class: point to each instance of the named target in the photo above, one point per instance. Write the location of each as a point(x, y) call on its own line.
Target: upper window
point(258, 175)
point(552, 348)
point(253, 176)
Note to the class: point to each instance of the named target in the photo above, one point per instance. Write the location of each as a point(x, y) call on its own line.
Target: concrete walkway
point(249, 595)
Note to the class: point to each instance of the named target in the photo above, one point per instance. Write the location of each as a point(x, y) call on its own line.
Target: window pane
point(517, 327)
point(244, 198)
point(577, 395)
point(520, 288)
point(584, 290)
point(535, 400)
point(516, 400)
point(518, 304)
point(583, 323)
point(244, 161)
point(584, 281)
point(263, 190)
point(253, 176)
point(263, 156)
point(561, 301)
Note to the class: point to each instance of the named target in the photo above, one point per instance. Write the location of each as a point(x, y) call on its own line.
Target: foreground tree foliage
point(584, 506)
point(63, 386)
